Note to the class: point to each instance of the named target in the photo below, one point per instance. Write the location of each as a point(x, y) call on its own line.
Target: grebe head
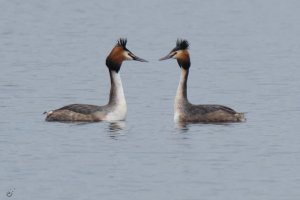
point(120, 53)
point(180, 53)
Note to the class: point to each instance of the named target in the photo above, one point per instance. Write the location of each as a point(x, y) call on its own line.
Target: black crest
point(122, 42)
point(181, 45)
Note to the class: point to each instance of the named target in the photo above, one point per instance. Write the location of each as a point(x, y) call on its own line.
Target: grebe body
point(184, 111)
point(116, 109)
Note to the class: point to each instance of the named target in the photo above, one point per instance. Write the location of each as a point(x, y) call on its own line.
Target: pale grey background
point(245, 54)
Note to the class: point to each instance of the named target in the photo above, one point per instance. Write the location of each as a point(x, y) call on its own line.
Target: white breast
point(176, 116)
point(119, 113)
point(177, 111)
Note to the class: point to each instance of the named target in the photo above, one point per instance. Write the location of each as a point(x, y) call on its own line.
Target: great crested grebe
point(116, 108)
point(184, 111)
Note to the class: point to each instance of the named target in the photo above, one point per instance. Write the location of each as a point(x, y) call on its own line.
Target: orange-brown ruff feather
point(115, 58)
point(184, 111)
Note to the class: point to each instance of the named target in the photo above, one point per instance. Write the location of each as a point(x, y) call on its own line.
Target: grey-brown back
point(208, 108)
point(210, 113)
point(83, 108)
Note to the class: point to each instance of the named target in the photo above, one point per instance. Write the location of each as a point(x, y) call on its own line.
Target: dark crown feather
point(122, 42)
point(182, 44)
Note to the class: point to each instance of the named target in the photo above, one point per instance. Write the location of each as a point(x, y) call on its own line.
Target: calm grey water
point(245, 54)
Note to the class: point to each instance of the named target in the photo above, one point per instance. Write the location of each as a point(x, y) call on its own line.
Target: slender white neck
point(181, 94)
point(116, 96)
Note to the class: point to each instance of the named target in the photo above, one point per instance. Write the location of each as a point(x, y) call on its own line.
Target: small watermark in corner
point(10, 192)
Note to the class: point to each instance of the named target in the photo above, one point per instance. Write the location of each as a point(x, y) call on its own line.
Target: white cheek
point(126, 55)
point(177, 54)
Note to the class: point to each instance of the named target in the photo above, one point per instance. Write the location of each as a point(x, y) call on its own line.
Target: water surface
point(244, 54)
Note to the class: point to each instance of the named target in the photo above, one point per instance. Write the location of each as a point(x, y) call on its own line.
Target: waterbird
point(116, 108)
point(184, 111)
